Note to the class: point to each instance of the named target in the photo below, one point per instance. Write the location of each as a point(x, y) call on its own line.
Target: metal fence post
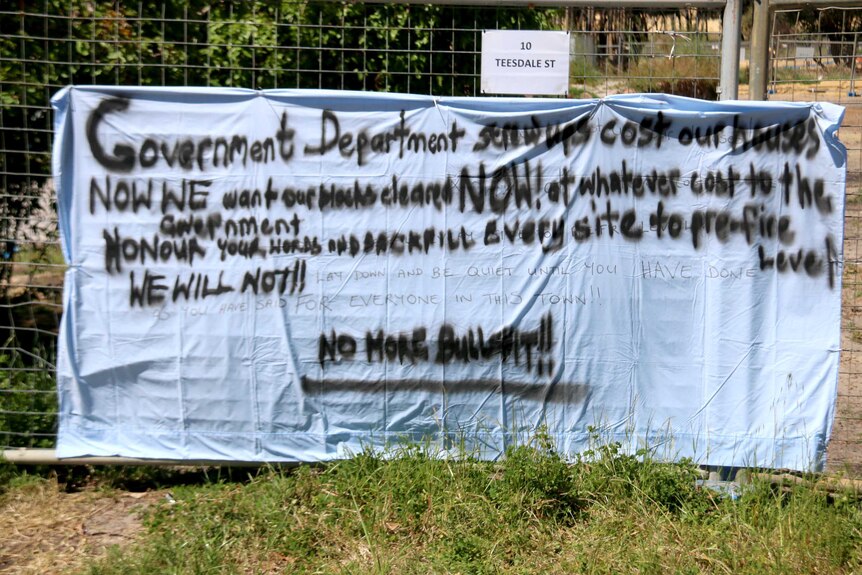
point(853, 93)
point(730, 40)
point(759, 59)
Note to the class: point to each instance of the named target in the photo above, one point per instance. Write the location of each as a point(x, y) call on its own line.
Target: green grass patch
point(412, 511)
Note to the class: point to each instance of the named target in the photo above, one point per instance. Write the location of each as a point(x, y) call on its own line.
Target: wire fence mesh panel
point(330, 45)
point(815, 57)
point(413, 48)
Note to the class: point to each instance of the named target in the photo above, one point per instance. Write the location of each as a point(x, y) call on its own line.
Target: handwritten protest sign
point(293, 275)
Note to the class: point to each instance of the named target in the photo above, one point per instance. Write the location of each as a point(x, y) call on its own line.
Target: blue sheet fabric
point(295, 275)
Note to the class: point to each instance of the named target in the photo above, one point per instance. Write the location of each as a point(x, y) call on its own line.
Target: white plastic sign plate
point(525, 62)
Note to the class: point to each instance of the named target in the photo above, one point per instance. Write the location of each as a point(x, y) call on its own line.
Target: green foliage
point(610, 474)
point(275, 44)
point(8, 473)
point(536, 482)
point(803, 516)
point(16, 479)
point(28, 402)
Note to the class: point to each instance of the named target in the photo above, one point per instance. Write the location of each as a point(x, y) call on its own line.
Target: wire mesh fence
point(414, 48)
point(815, 56)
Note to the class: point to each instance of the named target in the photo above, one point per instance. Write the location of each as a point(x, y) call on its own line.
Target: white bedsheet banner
point(295, 275)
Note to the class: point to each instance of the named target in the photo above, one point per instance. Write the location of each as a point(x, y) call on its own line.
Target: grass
point(410, 511)
point(808, 75)
point(692, 71)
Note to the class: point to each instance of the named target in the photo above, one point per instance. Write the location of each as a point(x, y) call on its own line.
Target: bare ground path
point(46, 530)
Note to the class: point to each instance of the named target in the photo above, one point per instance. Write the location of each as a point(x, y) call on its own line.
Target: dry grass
point(46, 530)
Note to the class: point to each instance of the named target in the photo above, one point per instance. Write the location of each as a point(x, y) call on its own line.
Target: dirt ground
point(47, 531)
